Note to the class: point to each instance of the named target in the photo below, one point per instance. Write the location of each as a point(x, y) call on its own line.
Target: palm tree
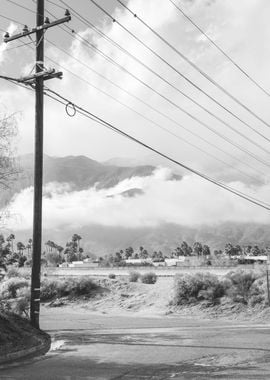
point(30, 244)
point(11, 239)
point(20, 247)
point(76, 240)
point(2, 240)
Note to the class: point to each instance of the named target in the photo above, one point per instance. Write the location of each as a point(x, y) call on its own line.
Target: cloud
point(188, 202)
point(3, 46)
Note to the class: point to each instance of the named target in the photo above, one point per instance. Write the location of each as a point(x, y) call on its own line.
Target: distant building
point(174, 262)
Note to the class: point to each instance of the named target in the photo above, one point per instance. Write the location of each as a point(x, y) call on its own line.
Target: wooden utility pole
point(267, 277)
point(36, 81)
point(38, 171)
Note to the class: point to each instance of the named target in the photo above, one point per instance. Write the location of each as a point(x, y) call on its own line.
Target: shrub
point(149, 278)
point(10, 287)
point(242, 285)
point(112, 276)
point(13, 272)
point(48, 290)
point(53, 258)
point(198, 287)
point(84, 286)
point(133, 276)
point(22, 303)
point(63, 288)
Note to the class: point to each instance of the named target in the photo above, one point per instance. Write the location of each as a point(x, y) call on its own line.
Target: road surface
point(88, 346)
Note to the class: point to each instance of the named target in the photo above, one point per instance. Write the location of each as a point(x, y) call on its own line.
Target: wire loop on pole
point(70, 109)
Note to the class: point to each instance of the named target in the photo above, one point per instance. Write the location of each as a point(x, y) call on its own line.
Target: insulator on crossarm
point(67, 13)
point(6, 35)
point(25, 29)
point(47, 20)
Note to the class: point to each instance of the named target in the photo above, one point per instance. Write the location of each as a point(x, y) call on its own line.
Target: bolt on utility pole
point(36, 81)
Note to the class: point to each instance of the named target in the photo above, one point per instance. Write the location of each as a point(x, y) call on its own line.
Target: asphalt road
point(104, 347)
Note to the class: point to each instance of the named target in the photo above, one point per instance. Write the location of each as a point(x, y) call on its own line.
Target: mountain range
point(82, 173)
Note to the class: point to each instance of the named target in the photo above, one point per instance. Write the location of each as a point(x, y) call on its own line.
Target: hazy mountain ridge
point(82, 172)
point(102, 240)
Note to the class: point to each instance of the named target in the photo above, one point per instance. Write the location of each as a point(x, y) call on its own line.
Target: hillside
point(102, 240)
point(80, 172)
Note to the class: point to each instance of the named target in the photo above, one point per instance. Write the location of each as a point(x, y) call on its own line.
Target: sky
point(240, 27)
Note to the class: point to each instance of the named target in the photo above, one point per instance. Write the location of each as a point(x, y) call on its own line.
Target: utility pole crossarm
point(47, 24)
point(46, 74)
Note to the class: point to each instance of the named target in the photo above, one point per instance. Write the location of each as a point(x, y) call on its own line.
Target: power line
point(219, 48)
point(124, 134)
point(228, 140)
point(22, 6)
point(20, 45)
point(191, 63)
point(88, 114)
point(92, 118)
point(177, 89)
point(150, 120)
point(56, 5)
point(178, 52)
point(122, 68)
point(180, 108)
point(11, 19)
point(166, 62)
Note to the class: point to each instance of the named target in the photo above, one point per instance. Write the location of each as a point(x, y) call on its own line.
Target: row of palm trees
point(8, 245)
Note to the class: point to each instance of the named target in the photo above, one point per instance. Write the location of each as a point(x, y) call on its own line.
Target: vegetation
point(8, 168)
point(133, 276)
point(52, 289)
point(246, 287)
point(149, 278)
point(19, 254)
point(241, 287)
point(198, 287)
point(142, 257)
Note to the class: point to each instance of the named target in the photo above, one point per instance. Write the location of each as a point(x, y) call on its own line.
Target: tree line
point(12, 252)
point(198, 249)
point(19, 253)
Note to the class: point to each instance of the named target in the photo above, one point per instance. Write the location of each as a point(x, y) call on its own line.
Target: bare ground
point(120, 297)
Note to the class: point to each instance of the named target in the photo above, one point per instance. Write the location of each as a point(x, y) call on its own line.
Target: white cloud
point(190, 202)
point(3, 46)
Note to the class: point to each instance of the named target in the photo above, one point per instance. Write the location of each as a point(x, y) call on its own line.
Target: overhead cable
point(230, 155)
point(222, 51)
point(235, 130)
point(101, 121)
point(191, 63)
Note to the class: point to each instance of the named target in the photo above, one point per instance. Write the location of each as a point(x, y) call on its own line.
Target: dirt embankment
point(16, 334)
point(118, 296)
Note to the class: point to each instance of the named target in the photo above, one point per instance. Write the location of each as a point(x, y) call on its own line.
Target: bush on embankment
point(51, 289)
point(246, 287)
point(149, 278)
point(15, 291)
point(133, 276)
